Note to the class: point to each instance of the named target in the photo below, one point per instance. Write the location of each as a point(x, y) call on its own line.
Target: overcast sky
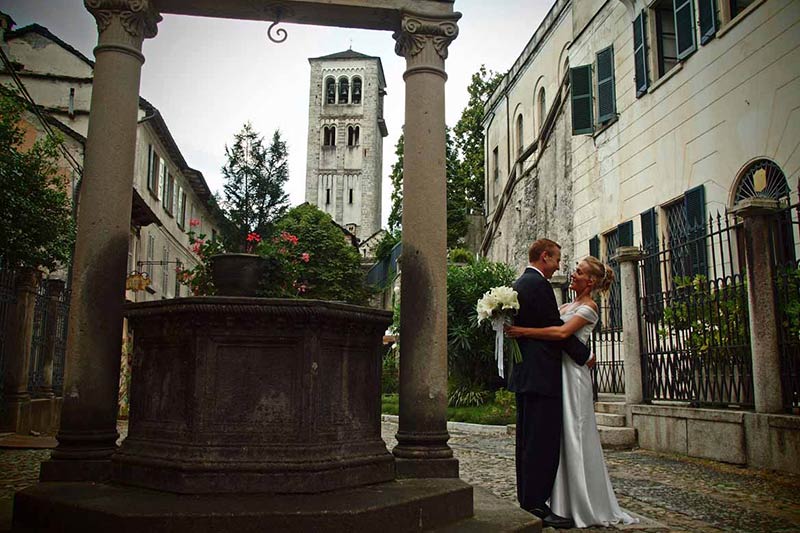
point(209, 76)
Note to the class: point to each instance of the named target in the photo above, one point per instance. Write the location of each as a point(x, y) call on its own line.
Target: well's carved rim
point(236, 305)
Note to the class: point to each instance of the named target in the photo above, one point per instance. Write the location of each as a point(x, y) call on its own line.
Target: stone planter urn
point(245, 395)
point(237, 274)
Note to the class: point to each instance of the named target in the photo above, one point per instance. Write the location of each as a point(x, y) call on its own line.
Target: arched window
point(353, 135)
point(356, 90)
point(520, 138)
point(542, 108)
point(329, 136)
point(344, 90)
point(330, 91)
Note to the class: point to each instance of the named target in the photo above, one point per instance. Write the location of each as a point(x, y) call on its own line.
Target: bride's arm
point(552, 333)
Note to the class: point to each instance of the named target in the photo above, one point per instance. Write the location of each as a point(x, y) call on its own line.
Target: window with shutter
point(151, 181)
point(606, 95)
point(640, 53)
point(695, 202)
point(613, 319)
point(652, 274)
point(582, 107)
point(684, 27)
point(594, 247)
point(707, 18)
point(667, 53)
point(626, 233)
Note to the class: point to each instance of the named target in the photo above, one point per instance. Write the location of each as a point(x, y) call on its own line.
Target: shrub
point(470, 351)
point(461, 255)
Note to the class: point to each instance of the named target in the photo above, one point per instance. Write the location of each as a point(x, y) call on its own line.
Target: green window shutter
point(651, 273)
point(580, 79)
point(150, 181)
point(640, 53)
point(707, 15)
point(625, 231)
point(606, 97)
point(695, 202)
point(684, 27)
point(594, 246)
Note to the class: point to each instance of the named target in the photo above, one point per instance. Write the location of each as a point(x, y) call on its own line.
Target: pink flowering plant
point(282, 272)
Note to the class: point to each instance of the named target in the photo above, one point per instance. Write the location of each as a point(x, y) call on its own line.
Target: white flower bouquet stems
point(499, 304)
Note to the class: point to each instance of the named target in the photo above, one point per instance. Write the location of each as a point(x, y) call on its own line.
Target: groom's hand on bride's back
point(591, 361)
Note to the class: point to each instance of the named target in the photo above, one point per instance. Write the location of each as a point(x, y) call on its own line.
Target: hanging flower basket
point(237, 274)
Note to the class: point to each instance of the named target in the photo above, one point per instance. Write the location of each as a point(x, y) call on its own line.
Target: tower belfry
point(345, 139)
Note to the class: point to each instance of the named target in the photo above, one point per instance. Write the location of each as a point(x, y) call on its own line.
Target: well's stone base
point(397, 506)
point(426, 468)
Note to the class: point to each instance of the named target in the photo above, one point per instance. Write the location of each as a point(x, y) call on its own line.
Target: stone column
point(422, 436)
point(15, 414)
point(88, 433)
point(757, 214)
point(560, 283)
point(628, 258)
point(55, 288)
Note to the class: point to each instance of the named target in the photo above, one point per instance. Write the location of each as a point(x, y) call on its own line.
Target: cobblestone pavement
point(670, 493)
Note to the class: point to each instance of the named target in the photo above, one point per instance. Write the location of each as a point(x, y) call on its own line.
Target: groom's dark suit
point(537, 384)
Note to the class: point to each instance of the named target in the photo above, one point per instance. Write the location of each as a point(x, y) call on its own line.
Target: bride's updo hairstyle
point(602, 274)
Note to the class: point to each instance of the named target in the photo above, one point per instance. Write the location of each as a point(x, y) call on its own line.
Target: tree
point(469, 136)
point(254, 180)
point(36, 225)
point(457, 223)
point(396, 214)
point(333, 270)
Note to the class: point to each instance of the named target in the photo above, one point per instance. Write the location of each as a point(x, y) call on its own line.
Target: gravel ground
point(669, 492)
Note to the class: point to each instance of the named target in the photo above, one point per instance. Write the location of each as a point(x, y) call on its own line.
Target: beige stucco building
point(167, 193)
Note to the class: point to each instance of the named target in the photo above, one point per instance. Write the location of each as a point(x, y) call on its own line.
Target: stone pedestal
point(235, 395)
point(757, 214)
point(628, 258)
point(15, 413)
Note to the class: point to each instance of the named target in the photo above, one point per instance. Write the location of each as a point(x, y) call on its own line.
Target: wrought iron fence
point(608, 374)
point(49, 333)
point(693, 304)
point(787, 295)
point(38, 341)
point(62, 320)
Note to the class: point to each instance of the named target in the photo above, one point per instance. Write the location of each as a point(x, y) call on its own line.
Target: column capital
point(628, 253)
point(139, 18)
point(423, 39)
point(750, 207)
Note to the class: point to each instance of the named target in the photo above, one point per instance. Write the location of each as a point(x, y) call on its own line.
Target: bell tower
point(345, 139)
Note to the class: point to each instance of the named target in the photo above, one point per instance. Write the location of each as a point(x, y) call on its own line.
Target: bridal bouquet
point(498, 305)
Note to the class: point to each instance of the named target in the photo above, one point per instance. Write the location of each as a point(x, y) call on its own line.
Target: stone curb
point(464, 427)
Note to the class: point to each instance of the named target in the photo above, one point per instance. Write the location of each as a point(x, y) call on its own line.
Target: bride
point(582, 490)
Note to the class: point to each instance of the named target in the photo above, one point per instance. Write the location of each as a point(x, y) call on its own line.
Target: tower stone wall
point(345, 139)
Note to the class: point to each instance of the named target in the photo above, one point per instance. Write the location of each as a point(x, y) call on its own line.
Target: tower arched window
point(353, 133)
point(330, 91)
point(329, 136)
point(344, 90)
point(542, 108)
point(356, 90)
point(520, 132)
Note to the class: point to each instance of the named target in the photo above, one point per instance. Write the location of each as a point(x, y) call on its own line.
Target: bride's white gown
point(582, 490)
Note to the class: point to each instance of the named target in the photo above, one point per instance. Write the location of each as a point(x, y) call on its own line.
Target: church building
point(345, 139)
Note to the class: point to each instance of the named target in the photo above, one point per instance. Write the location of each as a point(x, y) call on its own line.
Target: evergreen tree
point(469, 136)
point(36, 225)
point(457, 223)
point(255, 176)
point(396, 214)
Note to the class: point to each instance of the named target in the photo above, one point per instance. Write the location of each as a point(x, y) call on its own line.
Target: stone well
point(235, 395)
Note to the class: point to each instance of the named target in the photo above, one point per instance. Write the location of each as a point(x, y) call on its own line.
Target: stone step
point(618, 438)
point(494, 514)
point(612, 408)
point(606, 419)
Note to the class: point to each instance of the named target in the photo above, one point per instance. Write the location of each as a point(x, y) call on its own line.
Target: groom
point(537, 384)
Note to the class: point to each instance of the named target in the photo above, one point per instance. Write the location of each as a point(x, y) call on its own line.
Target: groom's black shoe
point(550, 519)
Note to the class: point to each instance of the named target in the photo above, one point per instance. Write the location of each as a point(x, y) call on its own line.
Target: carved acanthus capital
point(416, 32)
point(139, 18)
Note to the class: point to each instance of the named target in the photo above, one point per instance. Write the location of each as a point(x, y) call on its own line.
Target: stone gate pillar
point(422, 449)
point(15, 413)
point(628, 258)
point(87, 435)
point(757, 214)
